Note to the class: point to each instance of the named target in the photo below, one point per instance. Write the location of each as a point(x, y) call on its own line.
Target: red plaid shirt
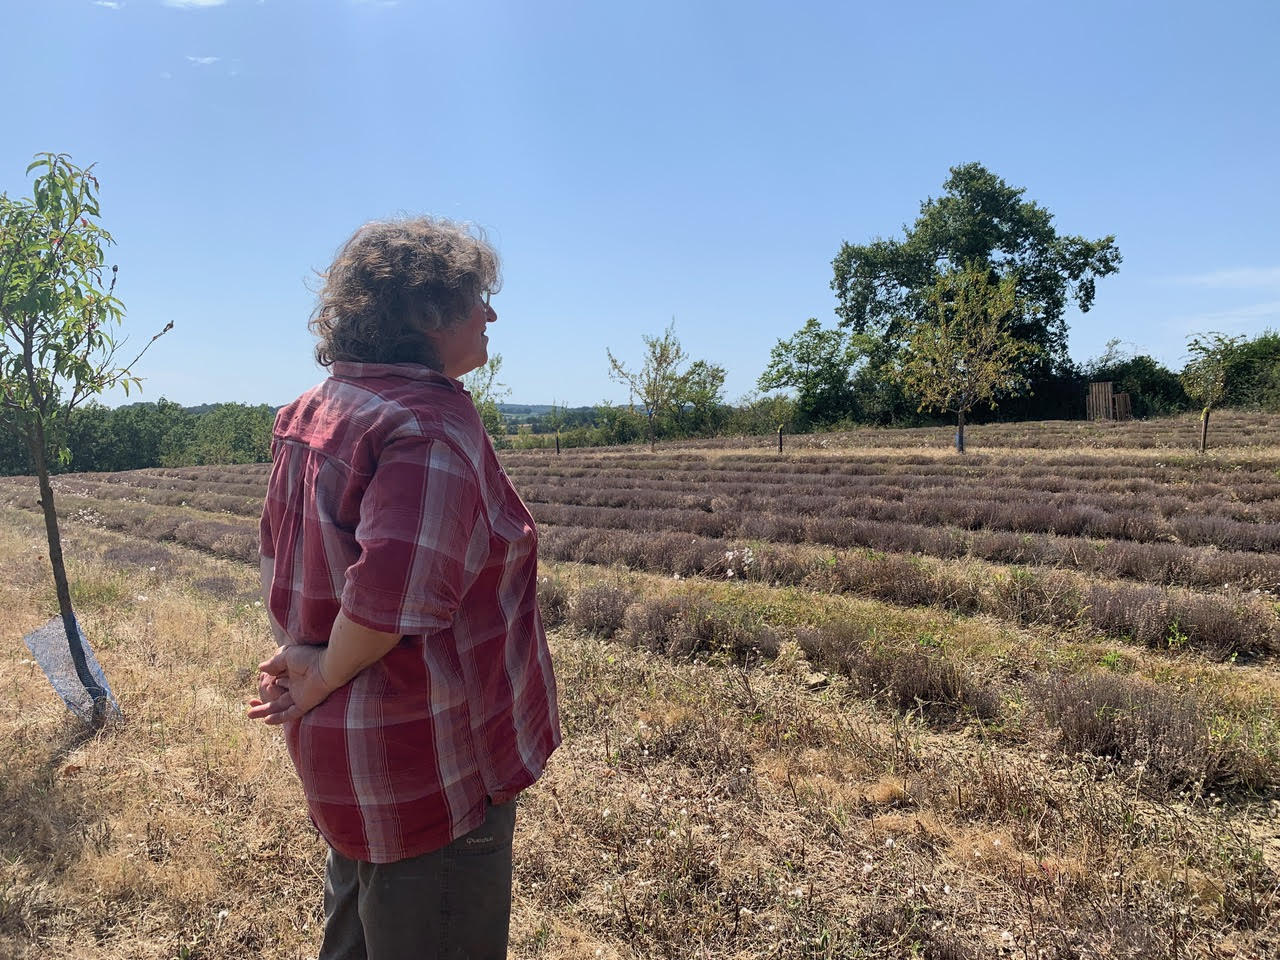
point(386, 498)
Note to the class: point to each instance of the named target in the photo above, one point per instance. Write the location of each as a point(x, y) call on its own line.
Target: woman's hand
point(290, 684)
point(300, 676)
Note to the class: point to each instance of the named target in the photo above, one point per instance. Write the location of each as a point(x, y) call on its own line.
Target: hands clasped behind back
point(299, 677)
point(290, 683)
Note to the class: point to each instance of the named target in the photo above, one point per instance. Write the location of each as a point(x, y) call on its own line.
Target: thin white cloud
point(203, 61)
point(1252, 311)
point(109, 4)
point(1236, 278)
point(185, 4)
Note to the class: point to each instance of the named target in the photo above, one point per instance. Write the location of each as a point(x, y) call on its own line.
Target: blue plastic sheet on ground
point(49, 646)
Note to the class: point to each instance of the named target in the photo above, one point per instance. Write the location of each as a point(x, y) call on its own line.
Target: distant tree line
point(840, 397)
point(160, 434)
point(166, 434)
point(962, 320)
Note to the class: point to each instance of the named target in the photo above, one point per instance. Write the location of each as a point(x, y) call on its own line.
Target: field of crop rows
point(1167, 551)
point(1088, 597)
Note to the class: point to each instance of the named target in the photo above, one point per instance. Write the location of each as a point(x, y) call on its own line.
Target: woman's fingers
point(277, 664)
point(278, 718)
point(269, 687)
point(288, 690)
point(266, 709)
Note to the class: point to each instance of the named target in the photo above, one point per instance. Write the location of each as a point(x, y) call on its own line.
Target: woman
point(400, 570)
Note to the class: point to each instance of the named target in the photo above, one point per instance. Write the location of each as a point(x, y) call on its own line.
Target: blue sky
point(636, 163)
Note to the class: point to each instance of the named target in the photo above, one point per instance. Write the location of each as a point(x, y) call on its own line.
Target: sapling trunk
point(63, 590)
point(960, 431)
point(1204, 430)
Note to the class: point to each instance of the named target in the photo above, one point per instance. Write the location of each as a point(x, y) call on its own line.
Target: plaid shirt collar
point(350, 370)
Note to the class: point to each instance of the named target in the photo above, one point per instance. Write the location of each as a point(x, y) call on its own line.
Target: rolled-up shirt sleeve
point(423, 539)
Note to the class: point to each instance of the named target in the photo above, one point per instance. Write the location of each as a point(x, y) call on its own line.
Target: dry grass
point(166, 834)
point(697, 809)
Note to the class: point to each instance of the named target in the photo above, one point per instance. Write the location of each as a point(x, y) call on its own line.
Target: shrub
point(1160, 733)
point(835, 644)
point(908, 678)
point(553, 600)
point(1163, 618)
point(1029, 596)
point(904, 677)
point(599, 608)
point(654, 623)
point(686, 626)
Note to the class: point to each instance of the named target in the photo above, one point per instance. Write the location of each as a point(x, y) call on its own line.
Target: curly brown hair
point(396, 281)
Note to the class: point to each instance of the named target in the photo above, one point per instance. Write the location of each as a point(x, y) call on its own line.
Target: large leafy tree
point(231, 433)
point(884, 287)
point(57, 343)
point(962, 353)
point(817, 364)
point(700, 402)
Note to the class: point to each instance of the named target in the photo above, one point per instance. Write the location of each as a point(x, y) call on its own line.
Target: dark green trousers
point(449, 904)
